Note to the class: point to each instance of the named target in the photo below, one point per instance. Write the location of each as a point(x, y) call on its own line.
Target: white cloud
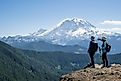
point(111, 22)
point(116, 29)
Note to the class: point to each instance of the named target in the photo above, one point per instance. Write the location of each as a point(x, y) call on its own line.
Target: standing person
point(93, 46)
point(104, 49)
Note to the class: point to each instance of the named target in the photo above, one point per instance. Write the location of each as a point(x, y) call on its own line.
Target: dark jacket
point(93, 46)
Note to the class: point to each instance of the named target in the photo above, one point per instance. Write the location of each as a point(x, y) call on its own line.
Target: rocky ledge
point(112, 73)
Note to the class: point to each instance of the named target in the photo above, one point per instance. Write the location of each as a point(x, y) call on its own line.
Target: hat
point(92, 37)
point(103, 38)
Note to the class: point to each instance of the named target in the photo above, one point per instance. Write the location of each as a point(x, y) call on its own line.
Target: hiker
point(93, 46)
point(104, 49)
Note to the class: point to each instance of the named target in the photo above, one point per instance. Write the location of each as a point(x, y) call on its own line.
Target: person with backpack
point(104, 49)
point(93, 47)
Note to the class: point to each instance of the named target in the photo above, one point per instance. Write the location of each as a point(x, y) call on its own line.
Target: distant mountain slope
point(15, 65)
point(44, 46)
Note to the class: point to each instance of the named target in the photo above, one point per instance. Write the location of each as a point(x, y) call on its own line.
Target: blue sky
point(27, 16)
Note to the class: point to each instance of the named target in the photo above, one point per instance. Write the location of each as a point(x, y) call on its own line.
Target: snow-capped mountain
point(39, 32)
point(71, 31)
point(28, 38)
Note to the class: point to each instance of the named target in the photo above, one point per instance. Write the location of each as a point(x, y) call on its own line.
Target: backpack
point(108, 47)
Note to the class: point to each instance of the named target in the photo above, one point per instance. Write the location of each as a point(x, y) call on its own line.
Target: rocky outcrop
point(112, 73)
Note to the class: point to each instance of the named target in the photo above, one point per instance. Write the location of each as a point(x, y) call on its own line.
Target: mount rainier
point(72, 32)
